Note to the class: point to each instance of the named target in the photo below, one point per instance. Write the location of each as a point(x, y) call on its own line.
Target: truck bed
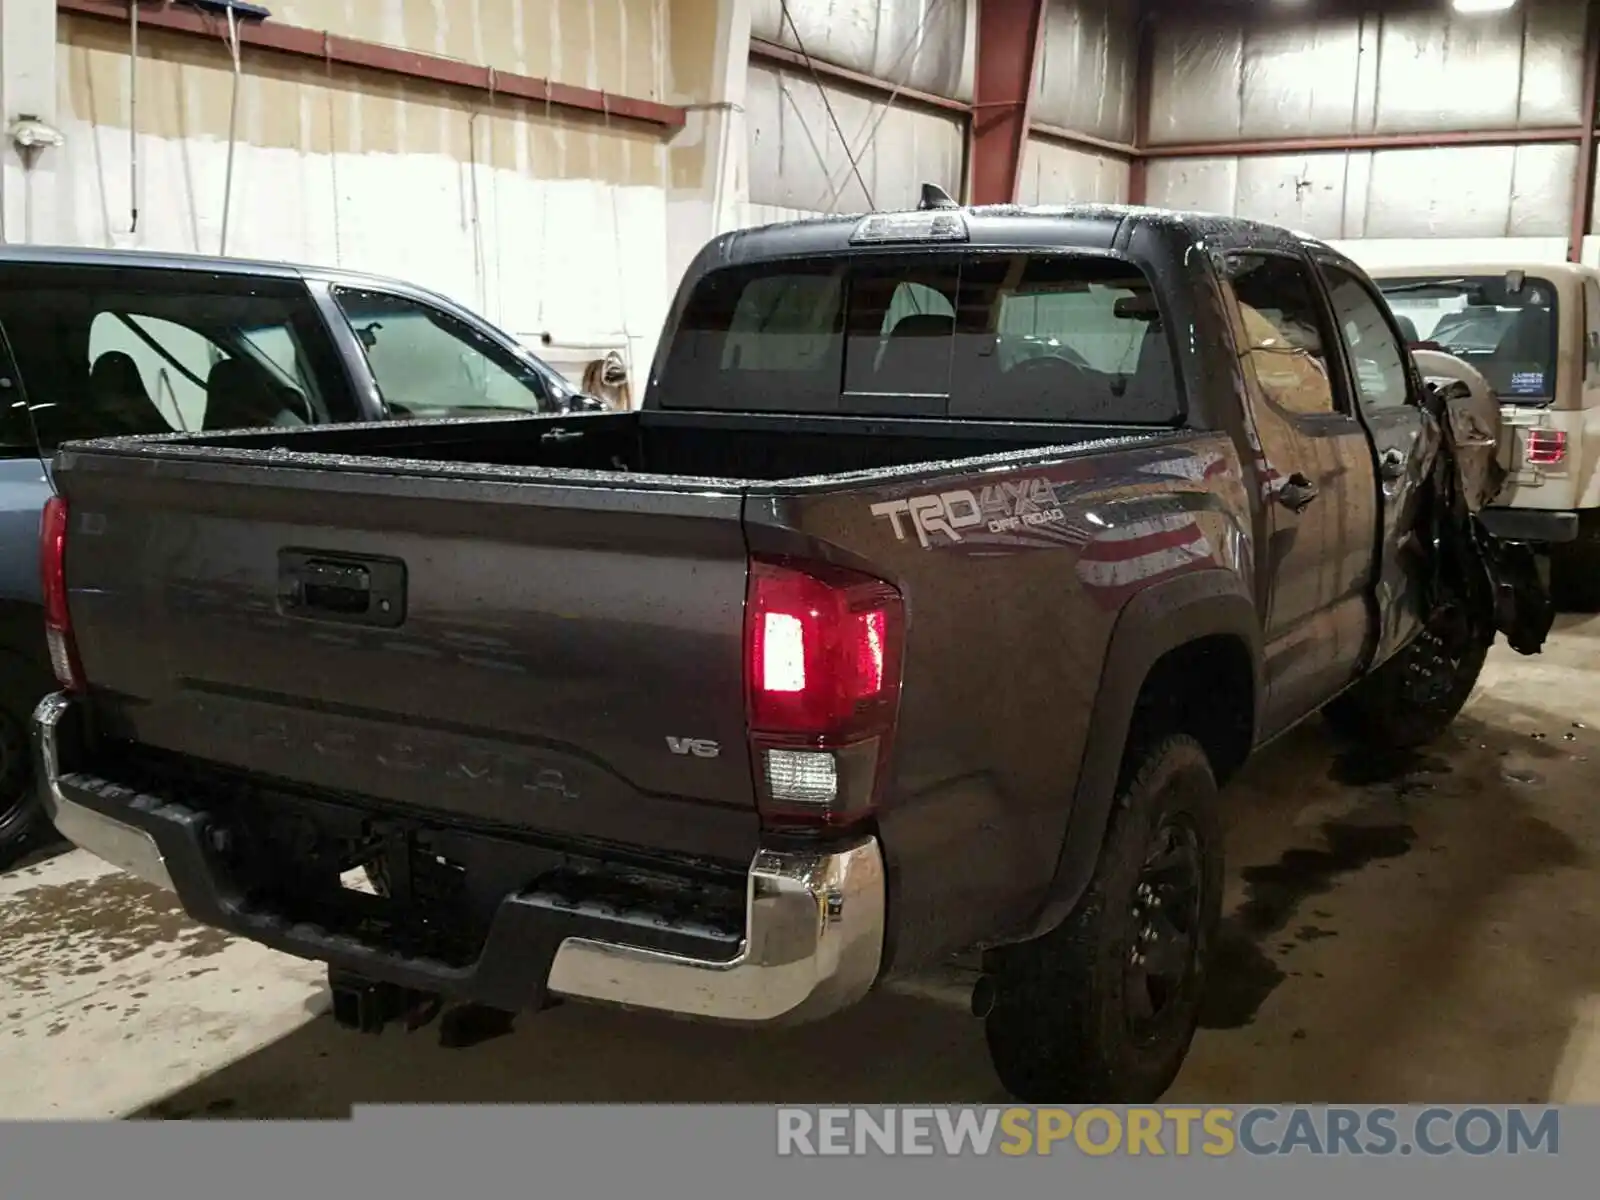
point(664, 445)
point(442, 619)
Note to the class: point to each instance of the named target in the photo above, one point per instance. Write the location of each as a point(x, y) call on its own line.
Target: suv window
point(173, 362)
point(1034, 337)
point(1380, 369)
point(425, 361)
point(1509, 335)
point(1282, 328)
point(108, 351)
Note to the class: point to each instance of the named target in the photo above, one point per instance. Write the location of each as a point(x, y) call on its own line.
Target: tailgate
point(518, 654)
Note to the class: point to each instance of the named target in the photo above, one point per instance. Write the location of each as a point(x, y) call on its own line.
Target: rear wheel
point(1103, 1008)
point(22, 820)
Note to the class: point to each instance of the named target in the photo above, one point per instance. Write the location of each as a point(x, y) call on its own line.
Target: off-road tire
point(1060, 1029)
point(1412, 699)
point(22, 820)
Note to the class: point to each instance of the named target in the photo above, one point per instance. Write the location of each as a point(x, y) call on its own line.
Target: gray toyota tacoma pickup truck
point(956, 559)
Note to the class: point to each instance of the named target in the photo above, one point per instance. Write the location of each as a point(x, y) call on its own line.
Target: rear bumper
point(812, 944)
point(1530, 524)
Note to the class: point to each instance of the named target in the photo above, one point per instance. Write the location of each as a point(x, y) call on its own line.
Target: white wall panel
point(1442, 252)
point(544, 223)
point(1414, 72)
point(798, 158)
point(922, 44)
point(1456, 192)
point(1085, 74)
point(1054, 173)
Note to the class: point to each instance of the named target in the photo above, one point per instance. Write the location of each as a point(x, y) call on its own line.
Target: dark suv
point(98, 343)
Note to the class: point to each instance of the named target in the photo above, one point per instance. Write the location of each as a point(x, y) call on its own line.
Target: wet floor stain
point(87, 928)
point(1487, 758)
point(1362, 766)
point(1243, 972)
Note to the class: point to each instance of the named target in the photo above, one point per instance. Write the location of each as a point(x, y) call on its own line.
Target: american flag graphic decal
point(1123, 559)
point(1119, 550)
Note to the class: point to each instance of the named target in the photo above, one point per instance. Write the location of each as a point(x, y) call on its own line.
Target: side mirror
point(1136, 308)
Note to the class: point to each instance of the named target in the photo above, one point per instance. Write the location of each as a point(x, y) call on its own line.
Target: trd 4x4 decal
point(999, 508)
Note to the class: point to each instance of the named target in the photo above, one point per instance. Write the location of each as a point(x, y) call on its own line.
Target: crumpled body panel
point(1498, 583)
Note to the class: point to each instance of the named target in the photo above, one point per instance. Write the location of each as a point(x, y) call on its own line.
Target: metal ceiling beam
point(296, 41)
point(1334, 143)
point(1144, 70)
point(1009, 35)
point(782, 57)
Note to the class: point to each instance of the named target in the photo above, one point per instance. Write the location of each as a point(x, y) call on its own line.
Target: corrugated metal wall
point(541, 220)
point(921, 44)
point(1415, 73)
point(800, 159)
point(1083, 83)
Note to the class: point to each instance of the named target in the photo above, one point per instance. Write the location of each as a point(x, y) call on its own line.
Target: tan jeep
point(1533, 330)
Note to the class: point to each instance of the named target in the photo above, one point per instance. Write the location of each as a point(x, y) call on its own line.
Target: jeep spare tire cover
point(1482, 452)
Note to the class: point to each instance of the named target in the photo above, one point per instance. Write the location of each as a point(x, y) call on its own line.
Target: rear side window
point(427, 363)
point(1010, 337)
point(108, 351)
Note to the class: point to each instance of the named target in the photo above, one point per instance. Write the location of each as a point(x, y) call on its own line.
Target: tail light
point(53, 585)
point(1546, 447)
point(822, 664)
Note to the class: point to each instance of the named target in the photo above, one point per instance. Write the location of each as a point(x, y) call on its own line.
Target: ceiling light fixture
point(1473, 7)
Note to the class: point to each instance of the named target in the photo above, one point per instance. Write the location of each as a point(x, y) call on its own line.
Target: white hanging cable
point(133, 117)
point(805, 55)
point(836, 188)
point(233, 127)
point(805, 126)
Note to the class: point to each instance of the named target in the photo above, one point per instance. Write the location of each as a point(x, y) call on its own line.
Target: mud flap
point(1498, 584)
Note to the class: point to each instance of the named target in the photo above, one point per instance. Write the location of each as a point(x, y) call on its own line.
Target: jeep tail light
point(53, 586)
point(822, 667)
point(1546, 447)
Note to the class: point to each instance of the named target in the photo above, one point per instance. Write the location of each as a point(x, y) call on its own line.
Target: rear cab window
point(108, 351)
point(1070, 338)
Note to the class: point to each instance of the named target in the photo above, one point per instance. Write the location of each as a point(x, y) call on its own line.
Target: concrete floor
point(1427, 930)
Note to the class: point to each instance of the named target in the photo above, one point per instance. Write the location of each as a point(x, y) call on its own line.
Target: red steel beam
point(1370, 141)
point(1009, 35)
point(1144, 72)
point(296, 41)
point(1086, 141)
point(1583, 173)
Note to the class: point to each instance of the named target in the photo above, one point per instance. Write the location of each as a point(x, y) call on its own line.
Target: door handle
point(355, 590)
point(1297, 492)
point(561, 435)
point(1392, 463)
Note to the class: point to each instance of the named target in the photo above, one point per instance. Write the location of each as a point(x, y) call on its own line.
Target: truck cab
point(1533, 331)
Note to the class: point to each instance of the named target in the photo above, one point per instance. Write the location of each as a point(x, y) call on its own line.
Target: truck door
point(1316, 475)
point(1386, 393)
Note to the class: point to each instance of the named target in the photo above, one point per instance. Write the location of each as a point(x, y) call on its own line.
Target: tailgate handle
point(320, 586)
